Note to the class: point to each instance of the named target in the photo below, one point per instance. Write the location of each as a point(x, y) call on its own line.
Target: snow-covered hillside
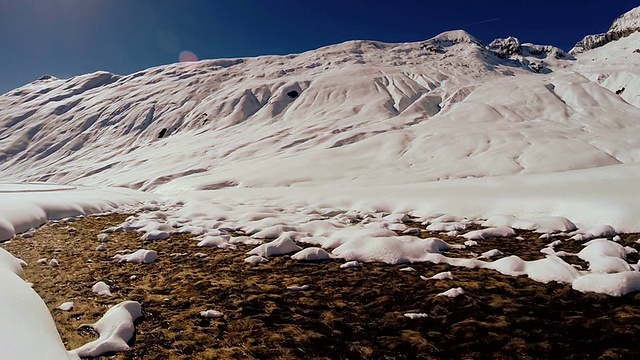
point(353, 115)
point(443, 108)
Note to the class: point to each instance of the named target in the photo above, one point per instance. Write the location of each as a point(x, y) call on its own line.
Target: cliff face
point(622, 27)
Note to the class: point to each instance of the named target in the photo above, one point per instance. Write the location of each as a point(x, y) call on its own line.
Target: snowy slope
point(357, 114)
point(231, 115)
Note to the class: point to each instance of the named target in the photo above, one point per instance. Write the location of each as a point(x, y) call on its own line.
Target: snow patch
point(115, 328)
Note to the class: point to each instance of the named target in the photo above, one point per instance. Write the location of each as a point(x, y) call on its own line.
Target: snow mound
point(29, 205)
point(488, 233)
point(279, 246)
point(272, 232)
point(453, 292)
point(140, 256)
point(11, 263)
point(491, 254)
point(510, 265)
point(255, 260)
point(101, 288)
point(25, 320)
point(390, 250)
point(155, 235)
point(350, 264)
point(544, 224)
point(616, 284)
point(103, 237)
point(597, 248)
point(551, 268)
point(605, 256)
point(446, 226)
point(115, 328)
point(221, 242)
point(66, 306)
point(311, 254)
point(608, 264)
point(211, 314)
point(446, 275)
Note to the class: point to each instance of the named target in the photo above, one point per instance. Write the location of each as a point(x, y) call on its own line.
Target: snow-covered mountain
point(622, 27)
point(358, 114)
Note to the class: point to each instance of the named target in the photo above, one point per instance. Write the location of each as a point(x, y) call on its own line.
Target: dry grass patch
point(346, 314)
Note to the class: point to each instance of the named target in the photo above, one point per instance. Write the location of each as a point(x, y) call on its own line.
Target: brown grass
point(346, 314)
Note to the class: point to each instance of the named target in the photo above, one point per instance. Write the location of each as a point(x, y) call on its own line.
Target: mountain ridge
point(229, 122)
point(625, 25)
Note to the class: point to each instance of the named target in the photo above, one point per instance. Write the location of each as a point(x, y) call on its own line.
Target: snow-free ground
point(358, 312)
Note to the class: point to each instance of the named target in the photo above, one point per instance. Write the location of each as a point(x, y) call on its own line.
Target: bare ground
point(345, 314)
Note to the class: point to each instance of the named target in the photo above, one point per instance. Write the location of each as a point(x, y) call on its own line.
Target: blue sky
point(70, 37)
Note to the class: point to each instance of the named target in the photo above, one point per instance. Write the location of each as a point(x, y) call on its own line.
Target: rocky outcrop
point(505, 48)
point(622, 27)
point(511, 47)
point(542, 51)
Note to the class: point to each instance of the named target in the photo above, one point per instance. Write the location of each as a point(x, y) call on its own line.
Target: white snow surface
point(453, 292)
point(115, 328)
point(230, 126)
point(335, 147)
point(140, 256)
point(446, 275)
point(101, 288)
point(350, 264)
point(24, 317)
point(255, 260)
point(28, 205)
point(221, 242)
point(413, 316)
point(279, 246)
point(390, 250)
point(211, 314)
point(66, 306)
point(616, 284)
point(311, 254)
point(504, 231)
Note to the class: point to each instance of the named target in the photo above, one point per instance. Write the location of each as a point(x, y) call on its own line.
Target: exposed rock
point(504, 48)
point(622, 27)
point(511, 47)
point(529, 49)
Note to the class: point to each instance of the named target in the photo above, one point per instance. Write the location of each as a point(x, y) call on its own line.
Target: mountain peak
point(627, 21)
point(453, 37)
point(625, 25)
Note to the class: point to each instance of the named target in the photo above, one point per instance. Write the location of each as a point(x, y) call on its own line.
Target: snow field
point(367, 237)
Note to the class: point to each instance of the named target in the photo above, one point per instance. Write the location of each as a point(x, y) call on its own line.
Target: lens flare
point(187, 56)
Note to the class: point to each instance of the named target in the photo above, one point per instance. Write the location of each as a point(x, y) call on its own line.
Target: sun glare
point(187, 56)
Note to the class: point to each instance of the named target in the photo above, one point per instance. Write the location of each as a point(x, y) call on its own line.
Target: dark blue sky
point(70, 37)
